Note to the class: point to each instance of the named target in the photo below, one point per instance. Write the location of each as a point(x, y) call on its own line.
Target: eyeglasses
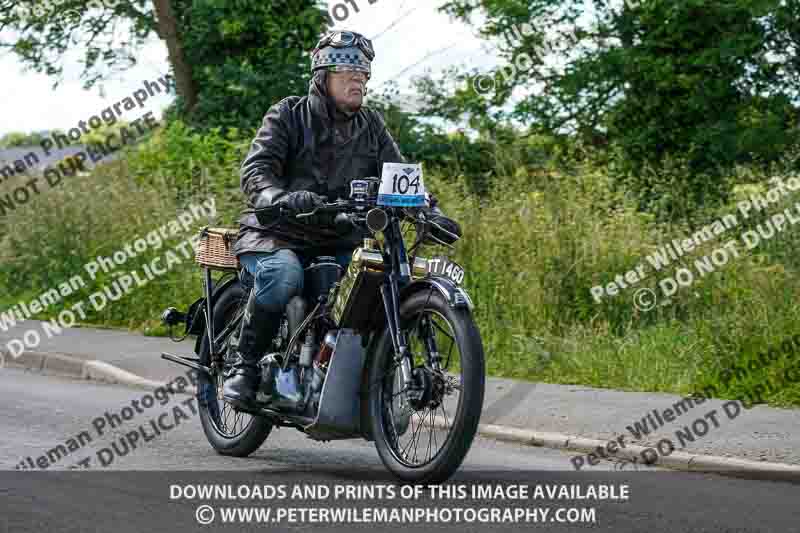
point(349, 74)
point(343, 39)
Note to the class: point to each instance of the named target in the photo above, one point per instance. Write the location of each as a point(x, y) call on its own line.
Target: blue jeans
point(278, 275)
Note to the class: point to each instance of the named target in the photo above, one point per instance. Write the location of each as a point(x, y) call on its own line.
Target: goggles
point(345, 39)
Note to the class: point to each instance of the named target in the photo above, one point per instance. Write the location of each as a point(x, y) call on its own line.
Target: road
point(39, 412)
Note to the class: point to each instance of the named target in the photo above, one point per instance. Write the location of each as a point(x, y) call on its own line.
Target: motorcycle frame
point(397, 285)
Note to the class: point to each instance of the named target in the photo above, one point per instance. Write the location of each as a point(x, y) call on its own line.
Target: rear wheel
point(230, 432)
point(423, 435)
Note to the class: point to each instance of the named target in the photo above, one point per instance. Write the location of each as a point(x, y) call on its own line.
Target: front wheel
point(423, 433)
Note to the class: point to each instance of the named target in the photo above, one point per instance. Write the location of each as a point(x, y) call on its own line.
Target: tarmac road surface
point(40, 412)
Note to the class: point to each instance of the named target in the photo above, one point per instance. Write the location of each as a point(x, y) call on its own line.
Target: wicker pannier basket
point(214, 249)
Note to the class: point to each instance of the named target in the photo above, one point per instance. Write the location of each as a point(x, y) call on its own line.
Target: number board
point(442, 266)
point(402, 186)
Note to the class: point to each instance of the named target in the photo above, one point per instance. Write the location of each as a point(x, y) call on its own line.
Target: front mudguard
point(456, 296)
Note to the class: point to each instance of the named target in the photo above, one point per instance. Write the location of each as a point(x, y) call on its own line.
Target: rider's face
point(347, 89)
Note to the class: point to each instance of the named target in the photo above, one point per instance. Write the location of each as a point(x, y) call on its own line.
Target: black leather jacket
point(306, 144)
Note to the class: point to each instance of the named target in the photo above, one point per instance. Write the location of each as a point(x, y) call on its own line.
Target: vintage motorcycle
point(386, 350)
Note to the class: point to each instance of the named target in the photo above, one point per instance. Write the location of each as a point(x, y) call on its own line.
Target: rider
point(307, 149)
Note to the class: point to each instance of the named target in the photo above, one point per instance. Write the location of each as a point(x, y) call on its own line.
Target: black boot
point(257, 331)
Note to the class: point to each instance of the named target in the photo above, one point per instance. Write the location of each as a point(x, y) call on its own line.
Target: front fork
point(401, 274)
point(402, 355)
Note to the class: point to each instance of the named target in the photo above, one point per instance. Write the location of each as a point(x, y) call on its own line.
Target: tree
point(168, 31)
point(39, 32)
point(246, 55)
point(653, 79)
point(231, 58)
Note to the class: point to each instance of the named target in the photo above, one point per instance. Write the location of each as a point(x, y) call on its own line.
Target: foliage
point(41, 32)
point(534, 245)
point(712, 84)
point(246, 56)
point(239, 56)
point(479, 160)
point(15, 138)
point(190, 162)
point(101, 134)
point(683, 108)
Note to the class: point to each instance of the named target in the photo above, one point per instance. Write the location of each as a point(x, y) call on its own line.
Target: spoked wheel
point(230, 432)
point(423, 433)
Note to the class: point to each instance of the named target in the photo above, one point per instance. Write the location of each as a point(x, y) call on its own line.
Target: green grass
point(532, 250)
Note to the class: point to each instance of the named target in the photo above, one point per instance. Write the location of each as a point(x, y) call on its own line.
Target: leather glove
point(448, 224)
point(301, 201)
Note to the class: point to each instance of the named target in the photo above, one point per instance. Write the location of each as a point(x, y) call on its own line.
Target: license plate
point(442, 266)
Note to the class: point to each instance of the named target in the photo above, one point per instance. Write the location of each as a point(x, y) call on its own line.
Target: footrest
point(191, 362)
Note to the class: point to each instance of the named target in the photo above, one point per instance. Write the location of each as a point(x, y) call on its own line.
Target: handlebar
point(339, 205)
point(345, 220)
point(349, 213)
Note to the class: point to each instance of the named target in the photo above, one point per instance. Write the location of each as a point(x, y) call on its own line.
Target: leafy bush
point(16, 138)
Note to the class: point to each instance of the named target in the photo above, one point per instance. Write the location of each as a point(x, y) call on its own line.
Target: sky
point(412, 37)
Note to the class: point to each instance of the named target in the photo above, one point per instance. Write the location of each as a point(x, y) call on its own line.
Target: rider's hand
point(302, 201)
point(442, 227)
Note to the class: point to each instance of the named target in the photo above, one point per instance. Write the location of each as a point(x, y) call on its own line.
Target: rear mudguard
point(197, 324)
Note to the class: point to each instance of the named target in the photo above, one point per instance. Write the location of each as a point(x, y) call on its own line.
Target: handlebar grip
point(314, 211)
